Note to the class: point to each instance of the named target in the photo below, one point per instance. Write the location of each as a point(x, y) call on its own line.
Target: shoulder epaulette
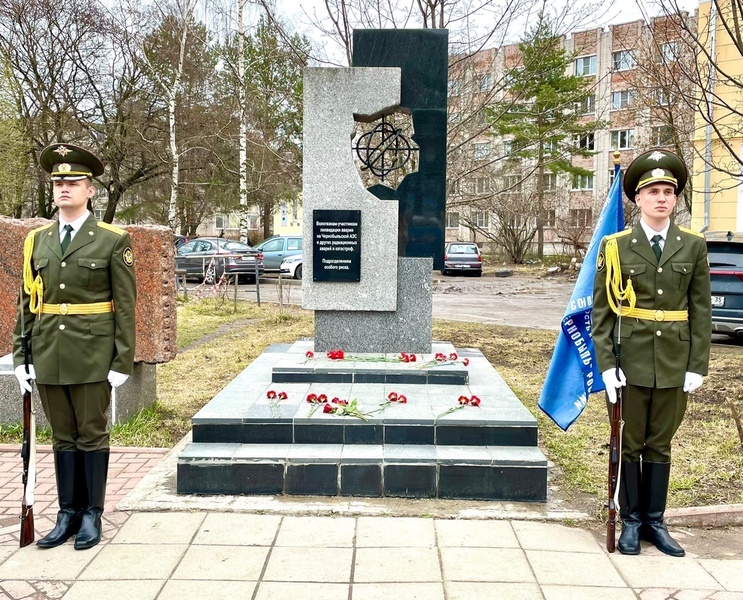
point(42, 228)
point(691, 231)
point(619, 234)
point(109, 227)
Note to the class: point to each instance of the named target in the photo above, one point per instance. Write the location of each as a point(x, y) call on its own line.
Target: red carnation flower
point(322, 398)
point(327, 408)
point(402, 399)
point(309, 354)
point(392, 397)
point(475, 401)
point(283, 396)
point(412, 357)
point(453, 356)
point(270, 394)
point(311, 397)
point(466, 362)
point(440, 356)
point(463, 400)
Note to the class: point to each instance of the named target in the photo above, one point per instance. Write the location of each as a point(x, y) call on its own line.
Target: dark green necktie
point(656, 246)
point(67, 237)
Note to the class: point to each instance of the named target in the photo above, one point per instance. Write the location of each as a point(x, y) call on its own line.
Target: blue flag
point(573, 374)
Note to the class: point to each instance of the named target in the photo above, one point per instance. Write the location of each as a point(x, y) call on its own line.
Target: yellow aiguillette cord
point(33, 287)
point(614, 289)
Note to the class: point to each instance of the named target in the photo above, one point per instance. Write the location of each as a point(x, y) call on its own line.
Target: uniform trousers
point(651, 418)
point(77, 415)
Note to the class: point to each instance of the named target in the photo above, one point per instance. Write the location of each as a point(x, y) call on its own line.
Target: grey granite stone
point(331, 181)
point(407, 329)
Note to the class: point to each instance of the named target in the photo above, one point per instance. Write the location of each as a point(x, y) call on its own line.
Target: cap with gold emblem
point(67, 161)
point(655, 166)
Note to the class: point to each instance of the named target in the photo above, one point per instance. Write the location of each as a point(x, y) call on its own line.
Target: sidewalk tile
point(6, 551)
point(726, 596)
point(457, 590)
point(573, 568)
point(486, 564)
point(135, 561)
point(398, 591)
point(17, 588)
point(728, 572)
point(550, 536)
point(115, 590)
point(569, 592)
point(693, 595)
point(380, 532)
point(159, 528)
point(328, 532)
point(235, 529)
point(475, 534)
point(207, 590)
point(664, 572)
point(271, 590)
point(378, 565)
point(230, 563)
point(52, 590)
point(315, 564)
point(31, 563)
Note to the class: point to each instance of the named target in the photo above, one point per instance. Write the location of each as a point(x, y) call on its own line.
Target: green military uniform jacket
point(97, 267)
point(657, 353)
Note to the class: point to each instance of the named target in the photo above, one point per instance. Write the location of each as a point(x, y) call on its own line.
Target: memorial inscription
point(337, 245)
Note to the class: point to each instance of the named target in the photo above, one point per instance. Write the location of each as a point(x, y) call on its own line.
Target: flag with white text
point(572, 374)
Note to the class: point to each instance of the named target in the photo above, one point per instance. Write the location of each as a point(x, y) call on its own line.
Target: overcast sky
point(614, 11)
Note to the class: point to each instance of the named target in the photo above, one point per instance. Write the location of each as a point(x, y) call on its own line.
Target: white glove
point(612, 383)
point(24, 378)
point(116, 379)
point(692, 382)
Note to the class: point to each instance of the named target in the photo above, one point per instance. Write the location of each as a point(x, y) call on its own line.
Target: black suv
point(725, 250)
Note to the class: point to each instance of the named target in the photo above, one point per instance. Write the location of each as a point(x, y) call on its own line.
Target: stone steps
point(412, 471)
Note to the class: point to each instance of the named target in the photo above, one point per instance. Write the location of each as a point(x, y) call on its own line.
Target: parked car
point(179, 240)
point(292, 266)
point(277, 248)
point(462, 257)
point(725, 252)
point(209, 258)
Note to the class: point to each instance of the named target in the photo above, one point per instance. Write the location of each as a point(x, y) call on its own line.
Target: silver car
point(462, 257)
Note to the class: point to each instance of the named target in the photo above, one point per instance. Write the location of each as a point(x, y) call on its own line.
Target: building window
point(585, 142)
point(480, 150)
point(452, 220)
point(582, 182)
point(455, 87)
point(550, 216)
point(481, 219)
point(622, 139)
point(512, 184)
point(665, 97)
point(512, 76)
point(585, 65)
point(549, 182)
point(507, 147)
point(486, 82)
point(482, 185)
point(623, 60)
point(622, 99)
point(588, 105)
point(454, 186)
point(551, 146)
point(661, 135)
point(668, 52)
point(581, 217)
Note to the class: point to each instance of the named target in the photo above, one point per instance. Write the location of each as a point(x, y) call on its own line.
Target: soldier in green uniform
point(78, 297)
point(657, 275)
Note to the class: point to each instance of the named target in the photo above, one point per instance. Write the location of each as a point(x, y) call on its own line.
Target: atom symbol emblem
point(383, 149)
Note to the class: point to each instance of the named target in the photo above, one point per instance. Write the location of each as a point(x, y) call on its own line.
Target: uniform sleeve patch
point(600, 262)
point(128, 256)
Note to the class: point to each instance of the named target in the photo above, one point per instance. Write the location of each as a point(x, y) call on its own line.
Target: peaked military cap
point(67, 161)
point(655, 166)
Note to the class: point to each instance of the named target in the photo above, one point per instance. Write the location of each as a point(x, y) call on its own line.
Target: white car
point(292, 266)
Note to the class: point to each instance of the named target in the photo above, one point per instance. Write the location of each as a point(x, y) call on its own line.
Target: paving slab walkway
point(210, 554)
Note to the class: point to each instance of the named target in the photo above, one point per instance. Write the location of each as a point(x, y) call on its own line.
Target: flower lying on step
point(440, 360)
point(335, 354)
point(407, 357)
point(273, 398)
point(309, 354)
point(462, 402)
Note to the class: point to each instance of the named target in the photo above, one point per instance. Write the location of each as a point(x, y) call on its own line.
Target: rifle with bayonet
point(615, 451)
point(28, 448)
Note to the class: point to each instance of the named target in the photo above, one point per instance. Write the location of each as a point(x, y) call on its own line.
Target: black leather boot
point(68, 517)
point(655, 478)
point(629, 508)
point(96, 473)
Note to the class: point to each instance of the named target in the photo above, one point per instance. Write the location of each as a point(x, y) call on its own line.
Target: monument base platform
point(429, 447)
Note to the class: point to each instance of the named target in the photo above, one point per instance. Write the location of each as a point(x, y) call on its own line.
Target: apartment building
point(627, 67)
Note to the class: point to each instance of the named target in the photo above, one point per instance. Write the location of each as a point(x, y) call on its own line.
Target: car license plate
point(718, 301)
point(246, 258)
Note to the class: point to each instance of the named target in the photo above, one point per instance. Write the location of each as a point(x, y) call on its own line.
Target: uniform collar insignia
point(62, 150)
point(656, 155)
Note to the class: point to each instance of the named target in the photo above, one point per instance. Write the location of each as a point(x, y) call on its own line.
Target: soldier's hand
point(692, 382)
point(613, 379)
point(116, 379)
point(24, 379)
